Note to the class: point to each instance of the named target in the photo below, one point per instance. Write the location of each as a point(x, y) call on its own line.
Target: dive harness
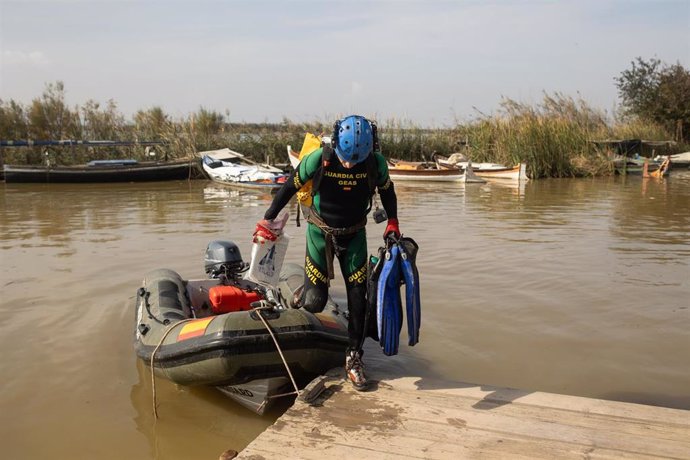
point(331, 233)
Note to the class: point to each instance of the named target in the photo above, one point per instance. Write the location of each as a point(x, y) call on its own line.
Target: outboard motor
point(223, 258)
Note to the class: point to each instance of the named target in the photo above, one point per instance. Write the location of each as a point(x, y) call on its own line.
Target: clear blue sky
point(430, 62)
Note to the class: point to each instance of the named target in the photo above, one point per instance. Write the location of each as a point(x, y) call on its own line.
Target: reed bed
point(554, 137)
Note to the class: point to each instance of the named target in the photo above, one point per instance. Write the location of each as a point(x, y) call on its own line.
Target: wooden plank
point(414, 418)
point(475, 445)
point(464, 408)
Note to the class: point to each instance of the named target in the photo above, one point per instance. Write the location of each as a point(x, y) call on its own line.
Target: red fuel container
point(225, 299)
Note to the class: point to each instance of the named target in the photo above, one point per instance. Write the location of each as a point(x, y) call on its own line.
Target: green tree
point(674, 100)
point(658, 92)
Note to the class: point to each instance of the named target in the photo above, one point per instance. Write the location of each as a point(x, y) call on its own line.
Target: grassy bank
point(553, 137)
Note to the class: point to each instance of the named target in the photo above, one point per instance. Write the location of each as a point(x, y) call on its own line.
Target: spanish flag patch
point(327, 321)
point(194, 329)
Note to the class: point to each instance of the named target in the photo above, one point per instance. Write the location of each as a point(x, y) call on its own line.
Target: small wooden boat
point(228, 167)
point(497, 171)
point(400, 170)
point(235, 335)
point(642, 167)
point(126, 170)
point(485, 170)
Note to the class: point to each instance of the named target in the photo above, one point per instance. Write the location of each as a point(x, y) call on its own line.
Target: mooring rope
point(280, 352)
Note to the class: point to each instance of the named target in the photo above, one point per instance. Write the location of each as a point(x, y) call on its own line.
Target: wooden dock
point(409, 417)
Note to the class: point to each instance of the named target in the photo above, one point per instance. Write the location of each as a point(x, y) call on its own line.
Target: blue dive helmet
point(353, 138)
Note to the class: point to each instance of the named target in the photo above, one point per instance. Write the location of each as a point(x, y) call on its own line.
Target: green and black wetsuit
point(341, 203)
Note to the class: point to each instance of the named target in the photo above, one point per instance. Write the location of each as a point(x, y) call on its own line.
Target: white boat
point(498, 171)
point(228, 167)
point(486, 170)
point(399, 170)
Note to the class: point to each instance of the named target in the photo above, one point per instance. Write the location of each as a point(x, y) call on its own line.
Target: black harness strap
point(326, 158)
point(331, 233)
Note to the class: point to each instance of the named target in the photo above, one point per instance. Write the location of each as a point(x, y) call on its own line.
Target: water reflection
point(208, 420)
point(575, 286)
point(233, 196)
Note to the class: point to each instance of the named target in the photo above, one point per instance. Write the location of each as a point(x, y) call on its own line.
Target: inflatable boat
point(215, 332)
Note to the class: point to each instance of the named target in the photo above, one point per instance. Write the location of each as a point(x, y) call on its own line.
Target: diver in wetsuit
point(343, 186)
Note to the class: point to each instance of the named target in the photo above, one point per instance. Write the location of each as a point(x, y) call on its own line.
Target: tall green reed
point(553, 136)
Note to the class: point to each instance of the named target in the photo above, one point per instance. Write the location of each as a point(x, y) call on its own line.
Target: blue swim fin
point(413, 310)
point(388, 303)
point(381, 290)
point(373, 272)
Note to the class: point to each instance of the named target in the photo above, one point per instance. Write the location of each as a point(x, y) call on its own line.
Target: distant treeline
point(554, 136)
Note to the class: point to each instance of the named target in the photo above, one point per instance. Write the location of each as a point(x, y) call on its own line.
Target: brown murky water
point(569, 286)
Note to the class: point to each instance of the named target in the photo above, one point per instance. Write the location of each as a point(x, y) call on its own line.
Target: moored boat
point(233, 334)
point(228, 167)
point(404, 171)
point(497, 171)
point(485, 170)
point(399, 170)
point(126, 170)
point(642, 166)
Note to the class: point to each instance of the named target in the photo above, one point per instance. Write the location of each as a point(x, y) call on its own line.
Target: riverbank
point(557, 137)
point(413, 417)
